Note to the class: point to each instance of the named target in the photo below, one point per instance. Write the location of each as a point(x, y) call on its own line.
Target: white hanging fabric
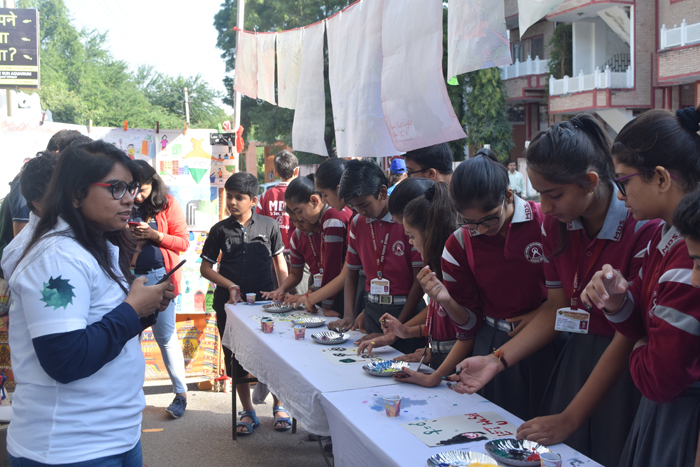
point(417, 109)
point(531, 11)
point(476, 36)
point(247, 64)
point(266, 67)
point(309, 126)
point(355, 73)
point(288, 67)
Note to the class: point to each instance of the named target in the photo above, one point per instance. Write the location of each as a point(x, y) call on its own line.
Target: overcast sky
point(177, 36)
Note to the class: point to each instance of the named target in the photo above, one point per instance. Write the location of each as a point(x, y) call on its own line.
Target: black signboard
point(19, 48)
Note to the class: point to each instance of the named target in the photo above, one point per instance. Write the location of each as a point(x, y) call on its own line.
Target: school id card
point(569, 320)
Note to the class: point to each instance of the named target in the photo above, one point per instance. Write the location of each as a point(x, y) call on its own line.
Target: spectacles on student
point(409, 173)
point(488, 222)
point(621, 186)
point(119, 188)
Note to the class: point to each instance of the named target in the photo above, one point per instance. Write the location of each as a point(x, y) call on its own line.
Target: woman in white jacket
point(75, 319)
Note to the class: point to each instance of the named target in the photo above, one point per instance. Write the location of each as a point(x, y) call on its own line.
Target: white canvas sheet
point(310, 116)
point(247, 65)
point(288, 67)
point(531, 11)
point(417, 109)
point(355, 69)
point(266, 67)
point(476, 36)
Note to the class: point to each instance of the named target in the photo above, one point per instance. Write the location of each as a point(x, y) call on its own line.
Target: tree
point(486, 116)
point(168, 93)
point(561, 61)
point(81, 81)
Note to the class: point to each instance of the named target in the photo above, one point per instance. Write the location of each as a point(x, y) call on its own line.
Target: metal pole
point(187, 107)
point(237, 95)
point(8, 101)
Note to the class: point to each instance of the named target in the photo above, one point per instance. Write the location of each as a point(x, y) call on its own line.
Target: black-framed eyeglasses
point(409, 173)
point(119, 188)
point(488, 222)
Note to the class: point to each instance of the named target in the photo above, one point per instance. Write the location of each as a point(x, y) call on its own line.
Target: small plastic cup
point(250, 298)
point(392, 406)
point(268, 325)
point(299, 332)
point(550, 459)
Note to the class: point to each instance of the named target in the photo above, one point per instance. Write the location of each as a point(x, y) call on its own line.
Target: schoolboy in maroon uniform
point(305, 247)
point(380, 246)
point(272, 201)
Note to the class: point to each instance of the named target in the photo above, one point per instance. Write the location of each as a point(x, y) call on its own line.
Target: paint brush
point(421, 361)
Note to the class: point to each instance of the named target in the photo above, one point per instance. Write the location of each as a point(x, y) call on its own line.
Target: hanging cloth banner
point(417, 109)
point(360, 129)
point(476, 36)
point(288, 67)
point(247, 64)
point(266, 67)
point(309, 126)
point(531, 11)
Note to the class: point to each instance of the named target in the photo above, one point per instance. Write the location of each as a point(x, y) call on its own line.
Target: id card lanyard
point(593, 257)
point(380, 257)
point(313, 250)
point(572, 319)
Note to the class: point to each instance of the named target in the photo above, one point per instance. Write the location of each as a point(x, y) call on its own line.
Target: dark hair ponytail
point(301, 189)
point(566, 151)
point(480, 182)
point(661, 138)
point(434, 215)
point(407, 191)
point(329, 172)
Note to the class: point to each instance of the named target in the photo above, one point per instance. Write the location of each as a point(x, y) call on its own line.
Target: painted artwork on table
point(477, 36)
point(460, 429)
point(348, 356)
point(199, 339)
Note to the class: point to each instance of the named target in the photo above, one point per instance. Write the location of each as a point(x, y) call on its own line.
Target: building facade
point(628, 57)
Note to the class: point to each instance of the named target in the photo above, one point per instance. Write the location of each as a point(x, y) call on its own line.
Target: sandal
point(248, 426)
point(287, 420)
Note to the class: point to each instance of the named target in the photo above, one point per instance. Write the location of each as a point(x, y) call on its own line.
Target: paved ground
point(203, 436)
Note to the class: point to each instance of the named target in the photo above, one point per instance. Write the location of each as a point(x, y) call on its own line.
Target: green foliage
point(486, 116)
point(81, 81)
point(561, 61)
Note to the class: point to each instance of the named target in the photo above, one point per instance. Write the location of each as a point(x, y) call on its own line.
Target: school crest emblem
point(398, 248)
point(534, 252)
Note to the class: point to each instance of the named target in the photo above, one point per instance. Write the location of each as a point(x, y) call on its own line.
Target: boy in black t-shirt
point(248, 243)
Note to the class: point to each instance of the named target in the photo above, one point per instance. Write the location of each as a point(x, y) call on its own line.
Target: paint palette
point(449, 458)
point(387, 368)
point(309, 322)
point(330, 337)
point(277, 307)
point(511, 451)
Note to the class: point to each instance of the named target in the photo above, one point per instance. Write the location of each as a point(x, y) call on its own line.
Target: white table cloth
point(295, 371)
point(364, 435)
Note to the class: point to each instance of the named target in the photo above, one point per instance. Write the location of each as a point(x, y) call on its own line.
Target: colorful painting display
point(199, 339)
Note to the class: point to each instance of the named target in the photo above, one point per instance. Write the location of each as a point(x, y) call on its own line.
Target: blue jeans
point(165, 335)
point(131, 458)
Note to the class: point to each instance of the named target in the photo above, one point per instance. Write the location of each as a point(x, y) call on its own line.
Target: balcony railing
point(679, 36)
point(605, 79)
point(528, 67)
